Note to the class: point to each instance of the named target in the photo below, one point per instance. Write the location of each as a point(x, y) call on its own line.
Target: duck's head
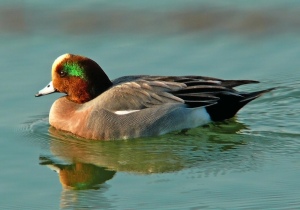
point(81, 78)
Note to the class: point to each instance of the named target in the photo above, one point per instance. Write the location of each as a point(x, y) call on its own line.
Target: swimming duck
point(95, 107)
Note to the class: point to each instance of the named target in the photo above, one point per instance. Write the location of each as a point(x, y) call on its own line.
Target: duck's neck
point(99, 86)
point(98, 81)
point(88, 92)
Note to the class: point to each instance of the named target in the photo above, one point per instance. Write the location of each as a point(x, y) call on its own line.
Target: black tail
point(230, 103)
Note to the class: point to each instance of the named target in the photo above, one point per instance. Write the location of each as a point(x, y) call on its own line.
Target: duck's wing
point(201, 80)
point(222, 101)
point(140, 94)
point(188, 80)
point(194, 91)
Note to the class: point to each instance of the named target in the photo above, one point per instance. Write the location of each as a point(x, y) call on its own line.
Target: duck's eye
point(62, 73)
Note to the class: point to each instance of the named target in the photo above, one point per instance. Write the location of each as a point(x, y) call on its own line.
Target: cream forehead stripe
point(60, 59)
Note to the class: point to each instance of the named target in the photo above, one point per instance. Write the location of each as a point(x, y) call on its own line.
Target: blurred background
point(153, 18)
point(158, 36)
point(250, 162)
point(210, 36)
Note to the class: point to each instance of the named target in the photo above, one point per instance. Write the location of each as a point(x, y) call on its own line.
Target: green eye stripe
point(73, 69)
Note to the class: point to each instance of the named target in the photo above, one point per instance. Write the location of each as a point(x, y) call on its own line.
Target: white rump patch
point(123, 112)
point(201, 116)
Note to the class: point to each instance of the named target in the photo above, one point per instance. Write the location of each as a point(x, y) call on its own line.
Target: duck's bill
point(46, 90)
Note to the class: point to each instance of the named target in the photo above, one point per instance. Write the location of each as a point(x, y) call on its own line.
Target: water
point(249, 162)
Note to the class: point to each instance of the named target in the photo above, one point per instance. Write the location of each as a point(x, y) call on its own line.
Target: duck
point(97, 108)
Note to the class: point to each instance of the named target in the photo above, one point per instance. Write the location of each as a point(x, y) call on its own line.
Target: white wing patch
point(123, 112)
point(213, 81)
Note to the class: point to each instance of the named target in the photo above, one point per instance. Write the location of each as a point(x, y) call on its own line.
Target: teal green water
point(249, 162)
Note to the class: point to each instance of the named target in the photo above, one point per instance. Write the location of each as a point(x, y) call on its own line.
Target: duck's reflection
point(135, 156)
point(84, 165)
point(79, 176)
